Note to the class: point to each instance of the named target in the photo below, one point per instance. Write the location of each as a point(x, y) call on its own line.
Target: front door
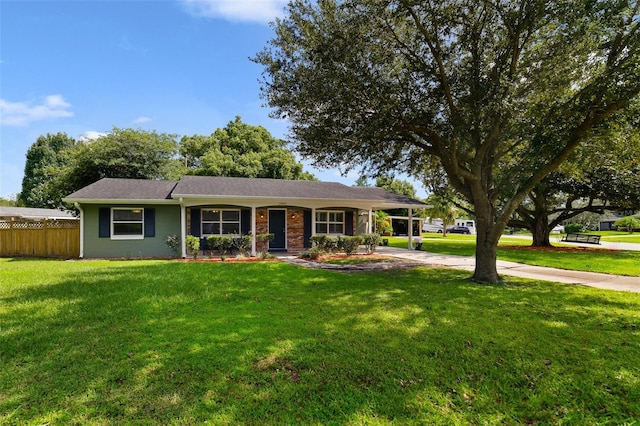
point(278, 227)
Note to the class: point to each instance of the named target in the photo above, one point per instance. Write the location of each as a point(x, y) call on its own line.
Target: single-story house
point(132, 217)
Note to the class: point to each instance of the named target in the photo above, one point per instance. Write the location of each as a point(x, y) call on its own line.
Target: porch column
point(183, 230)
point(370, 222)
point(410, 230)
point(253, 231)
point(313, 221)
point(81, 229)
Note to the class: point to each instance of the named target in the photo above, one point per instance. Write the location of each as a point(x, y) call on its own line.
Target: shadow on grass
point(170, 342)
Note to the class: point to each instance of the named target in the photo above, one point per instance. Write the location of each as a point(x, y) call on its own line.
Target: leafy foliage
point(193, 245)
point(371, 241)
point(262, 240)
point(351, 244)
point(173, 242)
point(243, 244)
point(222, 243)
point(45, 157)
point(125, 153)
point(500, 93)
point(241, 150)
point(630, 223)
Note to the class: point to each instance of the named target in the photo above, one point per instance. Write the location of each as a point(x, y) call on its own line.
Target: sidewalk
point(592, 279)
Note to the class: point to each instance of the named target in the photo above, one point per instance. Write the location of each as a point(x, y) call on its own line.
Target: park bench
point(581, 238)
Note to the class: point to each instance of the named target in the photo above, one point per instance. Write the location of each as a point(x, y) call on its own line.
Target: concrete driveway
point(592, 279)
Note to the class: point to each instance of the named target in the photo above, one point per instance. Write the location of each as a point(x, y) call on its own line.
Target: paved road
point(605, 281)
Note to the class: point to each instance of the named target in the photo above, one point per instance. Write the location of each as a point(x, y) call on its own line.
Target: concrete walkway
point(592, 279)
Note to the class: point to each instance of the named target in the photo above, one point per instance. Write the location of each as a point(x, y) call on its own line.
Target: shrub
point(243, 244)
point(628, 223)
point(263, 244)
point(221, 243)
point(351, 244)
point(371, 241)
point(173, 242)
point(318, 240)
point(193, 245)
point(324, 243)
point(573, 228)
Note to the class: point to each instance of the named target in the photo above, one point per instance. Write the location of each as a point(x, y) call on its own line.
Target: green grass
point(619, 237)
point(161, 342)
point(622, 262)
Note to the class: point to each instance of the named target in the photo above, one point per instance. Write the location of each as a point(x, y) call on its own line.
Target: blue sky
point(84, 67)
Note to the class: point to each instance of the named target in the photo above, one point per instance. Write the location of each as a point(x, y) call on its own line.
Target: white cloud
point(91, 135)
point(261, 11)
point(23, 113)
point(141, 120)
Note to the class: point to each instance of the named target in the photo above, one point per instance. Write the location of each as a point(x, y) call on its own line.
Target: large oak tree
point(500, 92)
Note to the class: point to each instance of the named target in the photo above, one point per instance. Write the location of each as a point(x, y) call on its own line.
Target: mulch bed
point(375, 262)
point(229, 259)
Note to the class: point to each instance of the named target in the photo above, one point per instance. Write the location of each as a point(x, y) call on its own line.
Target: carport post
point(410, 229)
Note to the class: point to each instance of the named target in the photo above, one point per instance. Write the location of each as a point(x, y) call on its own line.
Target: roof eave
point(119, 201)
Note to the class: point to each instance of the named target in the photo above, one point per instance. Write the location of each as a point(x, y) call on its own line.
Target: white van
point(471, 224)
point(434, 226)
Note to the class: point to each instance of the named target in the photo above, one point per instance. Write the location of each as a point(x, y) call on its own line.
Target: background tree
point(125, 153)
point(122, 153)
point(8, 202)
point(444, 209)
point(628, 223)
point(241, 150)
point(500, 92)
point(45, 157)
point(600, 175)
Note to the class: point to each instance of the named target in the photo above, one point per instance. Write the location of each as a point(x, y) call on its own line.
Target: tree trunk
point(486, 245)
point(540, 228)
point(541, 232)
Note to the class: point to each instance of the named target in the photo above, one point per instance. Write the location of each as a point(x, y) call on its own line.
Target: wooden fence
point(40, 238)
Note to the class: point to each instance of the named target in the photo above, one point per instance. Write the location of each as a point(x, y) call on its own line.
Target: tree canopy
point(241, 150)
point(501, 93)
point(57, 165)
point(44, 159)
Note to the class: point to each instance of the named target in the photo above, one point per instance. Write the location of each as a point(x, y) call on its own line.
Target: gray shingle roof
point(202, 186)
point(218, 187)
point(125, 189)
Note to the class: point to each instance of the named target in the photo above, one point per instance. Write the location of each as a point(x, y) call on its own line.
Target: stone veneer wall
point(295, 229)
point(295, 226)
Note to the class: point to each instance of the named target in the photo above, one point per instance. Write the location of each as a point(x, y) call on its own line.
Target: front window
point(329, 222)
point(220, 222)
point(127, 223)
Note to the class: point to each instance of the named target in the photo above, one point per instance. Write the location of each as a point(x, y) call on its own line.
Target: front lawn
point(619, 262)
point(167, 342)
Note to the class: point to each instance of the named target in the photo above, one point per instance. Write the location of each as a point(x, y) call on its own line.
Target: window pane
point(321, 216)
point(230, 228)
point(321, 228)
point(335, 228)
point(211, 215)
point(230, 215)
point(127, 229)
point(127, 215)
point(210, 228)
